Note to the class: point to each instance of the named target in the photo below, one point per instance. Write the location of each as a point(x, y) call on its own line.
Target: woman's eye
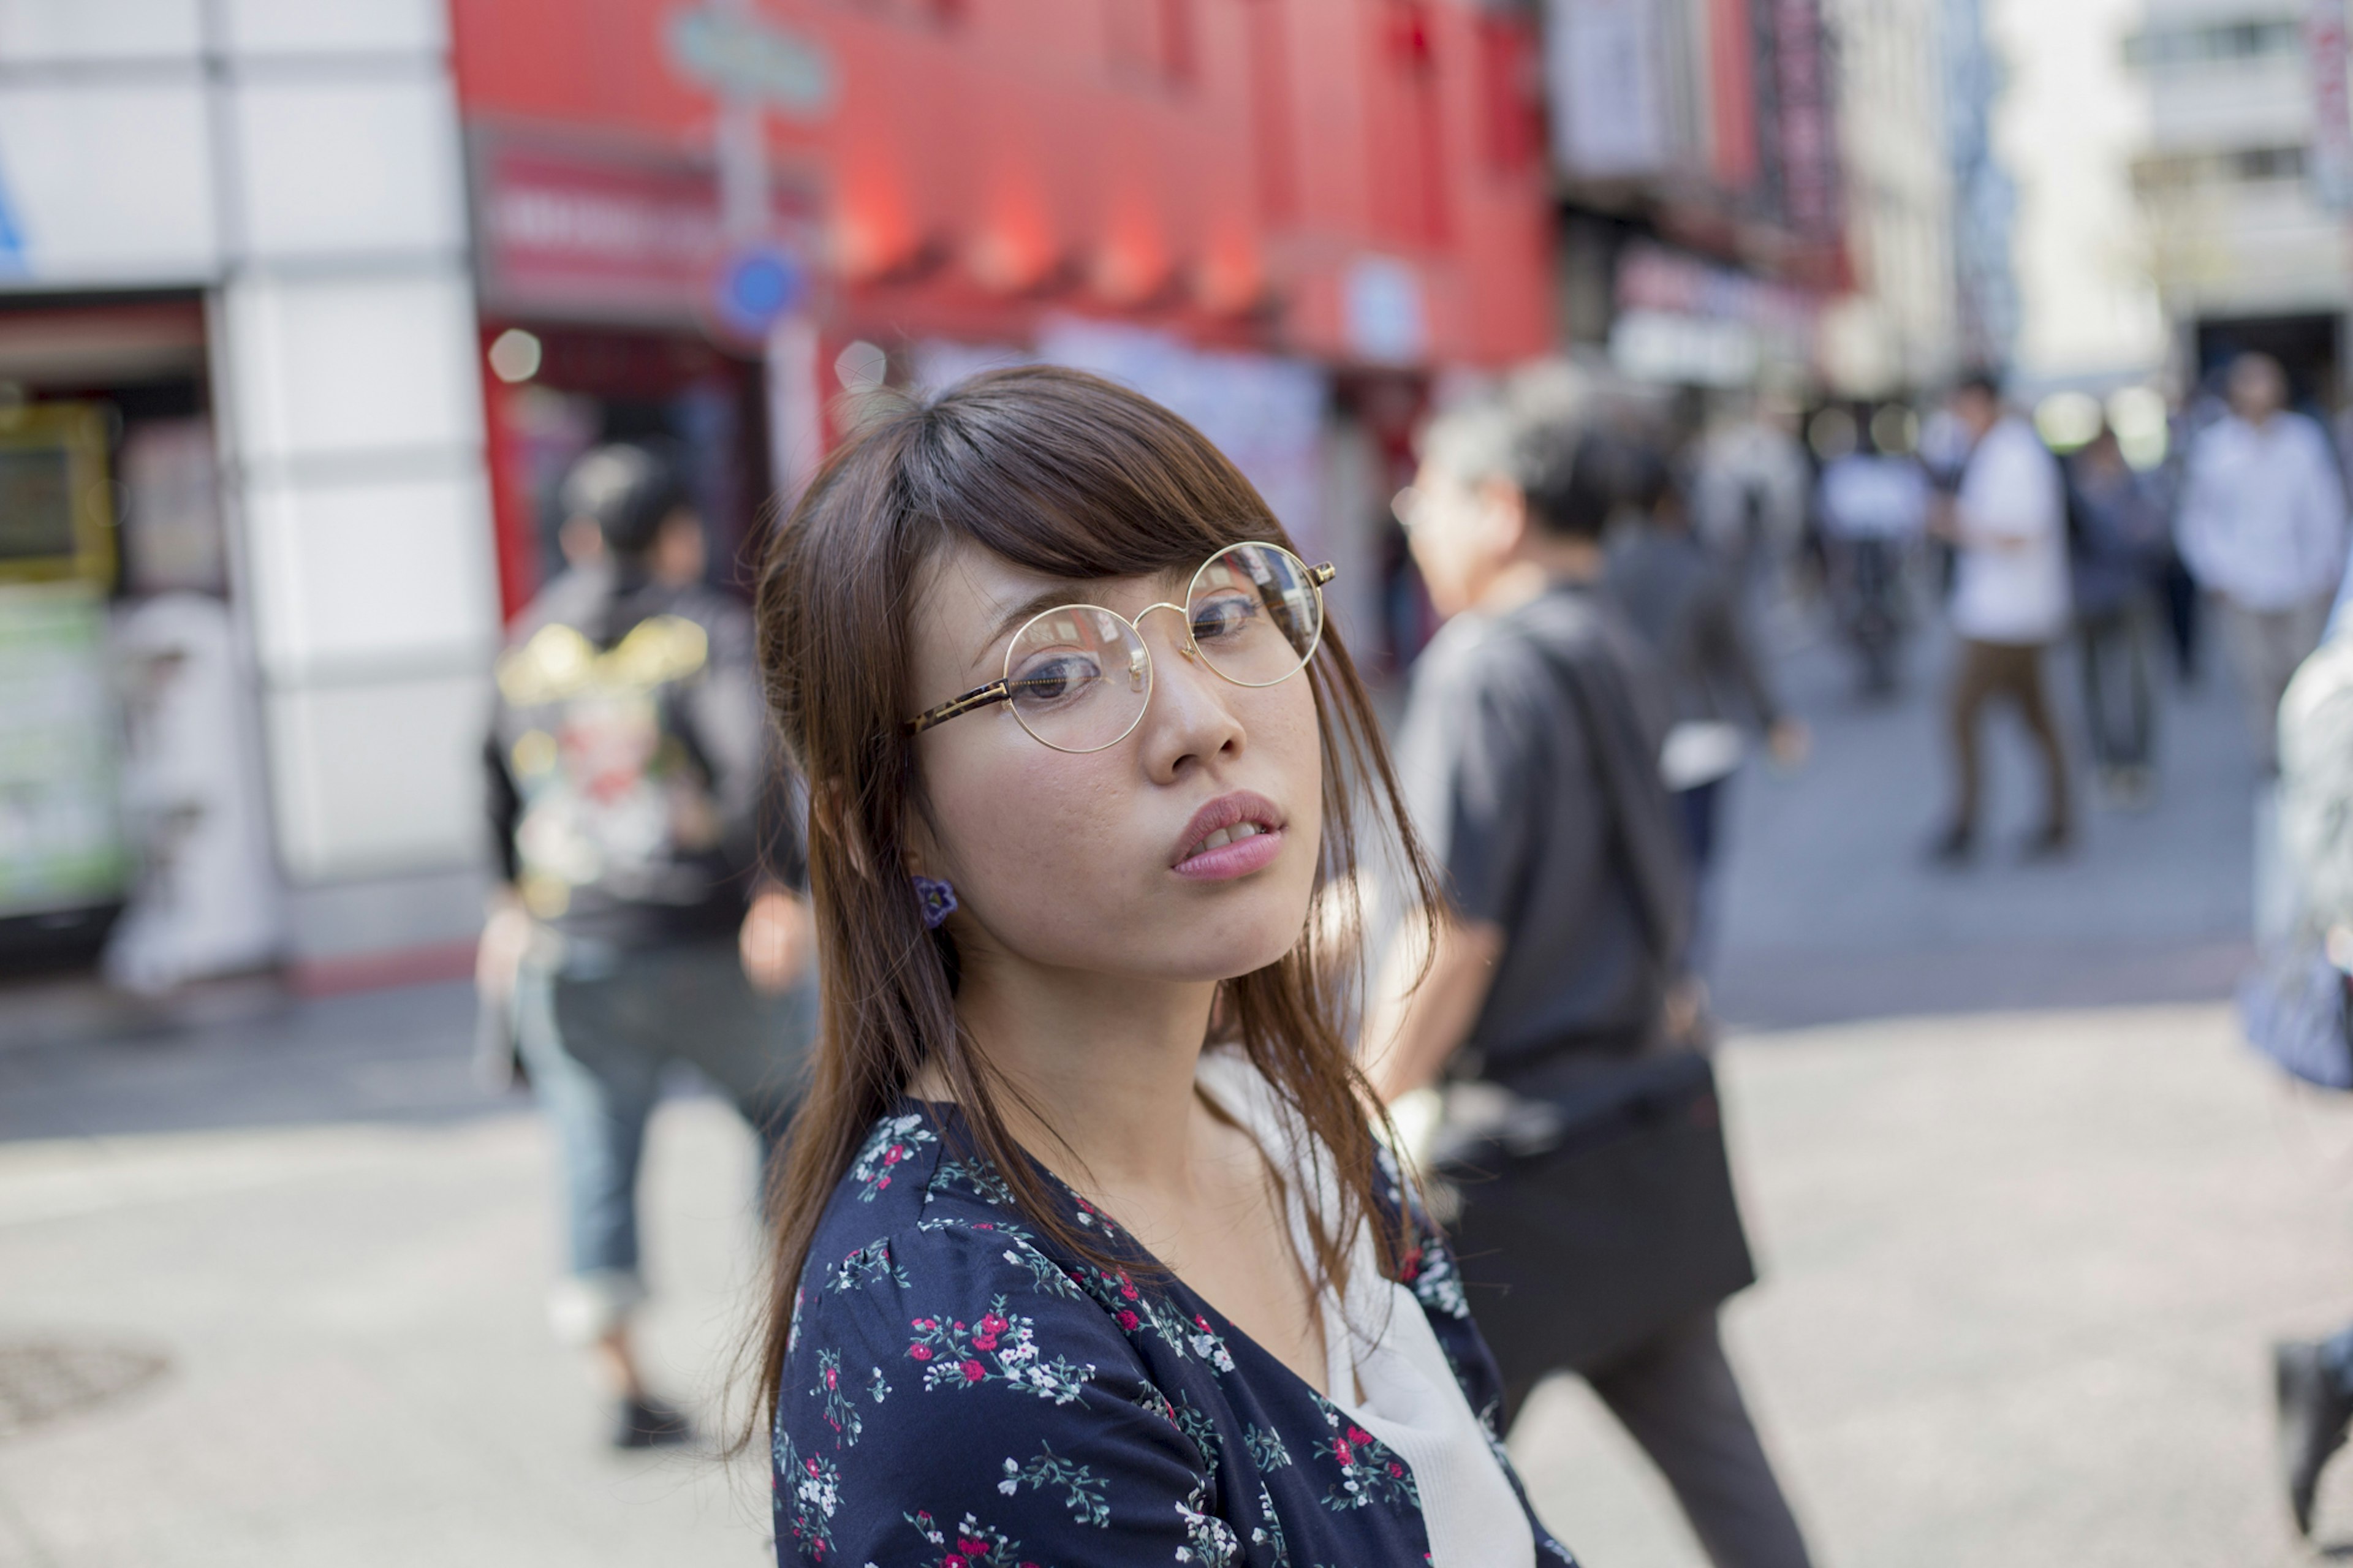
point(1055, 678)
point(1224, 617)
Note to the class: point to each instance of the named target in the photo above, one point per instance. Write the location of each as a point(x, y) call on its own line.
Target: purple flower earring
point(937, 898)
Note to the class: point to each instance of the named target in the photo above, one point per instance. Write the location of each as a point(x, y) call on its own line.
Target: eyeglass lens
point(1080, 677)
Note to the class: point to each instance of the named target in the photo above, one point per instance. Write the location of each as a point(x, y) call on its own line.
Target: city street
point(2028, 1210)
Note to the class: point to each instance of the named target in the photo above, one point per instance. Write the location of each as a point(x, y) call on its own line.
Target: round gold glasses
point(1078, 676)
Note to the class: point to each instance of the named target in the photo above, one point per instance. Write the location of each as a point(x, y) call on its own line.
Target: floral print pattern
point(960, 1393)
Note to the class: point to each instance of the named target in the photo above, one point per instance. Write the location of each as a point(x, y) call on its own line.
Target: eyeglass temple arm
point(979, 697)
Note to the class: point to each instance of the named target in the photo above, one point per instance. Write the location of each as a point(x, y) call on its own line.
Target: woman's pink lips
point(1239, 858)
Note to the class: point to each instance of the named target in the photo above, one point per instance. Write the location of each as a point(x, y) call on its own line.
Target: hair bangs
point(1037, 466)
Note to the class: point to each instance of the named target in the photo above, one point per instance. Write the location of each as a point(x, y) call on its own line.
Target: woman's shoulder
point(923, 1256)
point(948, 1379)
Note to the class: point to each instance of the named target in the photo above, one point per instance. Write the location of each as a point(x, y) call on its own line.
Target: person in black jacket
point(639, 918)
point(1557, 977)
point(1671, 588)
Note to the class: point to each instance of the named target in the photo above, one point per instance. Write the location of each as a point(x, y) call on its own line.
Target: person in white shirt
point(2008, 526)
point(1873, 506)
point(2263, 530)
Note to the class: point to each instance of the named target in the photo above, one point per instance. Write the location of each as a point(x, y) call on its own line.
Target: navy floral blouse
point(959, 1393)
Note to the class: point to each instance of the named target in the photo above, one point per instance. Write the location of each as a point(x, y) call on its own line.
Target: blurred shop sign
point(1681, 320)
point(2329, 166)
point(1605, 65)
point(1387, 321)
point(757, 285)
point(1653, 277)
point(1700, 351)
point(601, 233)
point(740, 55)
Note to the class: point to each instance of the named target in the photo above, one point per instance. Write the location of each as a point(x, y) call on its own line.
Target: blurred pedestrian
point(2006, 524)
point(2263, 530)
point(1749, 498)
point(1874, 509)
point(633, 926)
point(1553, 993)
point(2294, 1009)
point(2117, 540)
point(1677, 595)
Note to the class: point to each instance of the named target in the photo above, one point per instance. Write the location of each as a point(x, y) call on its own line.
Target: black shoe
point(649, 1423)
point(1956, 847)
point(2312, 1412)
point(2050, 844)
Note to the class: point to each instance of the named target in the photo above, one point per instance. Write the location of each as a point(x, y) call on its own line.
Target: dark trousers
point(2118, 707)
point(2012, 671)
point(1677, 1397)
point(1701, 809)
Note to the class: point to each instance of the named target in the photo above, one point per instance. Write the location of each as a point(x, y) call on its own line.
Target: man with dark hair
point(1530, 755)
point(2008, 525)
point(636, 924)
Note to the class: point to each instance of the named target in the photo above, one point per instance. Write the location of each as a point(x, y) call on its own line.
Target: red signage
point(580, 232)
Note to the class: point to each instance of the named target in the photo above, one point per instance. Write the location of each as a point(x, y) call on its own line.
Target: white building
point(2069, 124)
point(241, 225)
point(1898, 331)
point(2243, 253)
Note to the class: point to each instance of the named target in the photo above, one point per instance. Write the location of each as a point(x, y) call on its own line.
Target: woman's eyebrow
point(1036, 604)
point(1045, 599)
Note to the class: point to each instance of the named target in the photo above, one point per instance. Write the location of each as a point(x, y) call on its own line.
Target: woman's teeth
point(1225, 836)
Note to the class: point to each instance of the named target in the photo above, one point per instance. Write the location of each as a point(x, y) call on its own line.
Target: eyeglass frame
point(1001, 689)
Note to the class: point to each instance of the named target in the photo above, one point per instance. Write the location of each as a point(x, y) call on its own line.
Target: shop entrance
point(2305, 347)
point(556, 391)
point(109, 506)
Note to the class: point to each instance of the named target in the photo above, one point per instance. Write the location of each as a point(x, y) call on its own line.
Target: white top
point(2010, 583)
point(2263, 517)
point(1378, 1342)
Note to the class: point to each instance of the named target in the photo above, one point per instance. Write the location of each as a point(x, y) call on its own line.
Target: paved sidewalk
point(2021, 1275)
point(2021, 1271)
point(2023, 1258)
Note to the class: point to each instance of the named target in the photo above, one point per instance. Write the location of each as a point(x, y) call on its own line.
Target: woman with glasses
point(1086, 1253)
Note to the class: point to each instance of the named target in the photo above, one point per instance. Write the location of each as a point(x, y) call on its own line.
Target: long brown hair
point(1066, 474)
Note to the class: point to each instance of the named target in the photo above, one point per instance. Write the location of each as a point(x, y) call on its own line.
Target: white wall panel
point(379, 777)
point(335, 26)
point(35, 32)
point(107, 183)
point(355, 365)
point(373, 574)
point(349, 167)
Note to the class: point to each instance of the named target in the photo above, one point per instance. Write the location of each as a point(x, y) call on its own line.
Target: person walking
point(2115, 543)
point(634, 924)
point(2263, 530)
point(1673, 590)
point(1085, 1251)
point(1873, 508)
point(1554, 992)
point(2007, 525)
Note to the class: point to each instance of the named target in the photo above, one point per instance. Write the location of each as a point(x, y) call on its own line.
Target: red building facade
point(1316, 199)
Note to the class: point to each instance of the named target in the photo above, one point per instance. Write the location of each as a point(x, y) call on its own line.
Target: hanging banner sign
point(2328, 167)
point(1606, 78)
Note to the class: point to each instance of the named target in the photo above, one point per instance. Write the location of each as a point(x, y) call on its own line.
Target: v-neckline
point(1225, 1328)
